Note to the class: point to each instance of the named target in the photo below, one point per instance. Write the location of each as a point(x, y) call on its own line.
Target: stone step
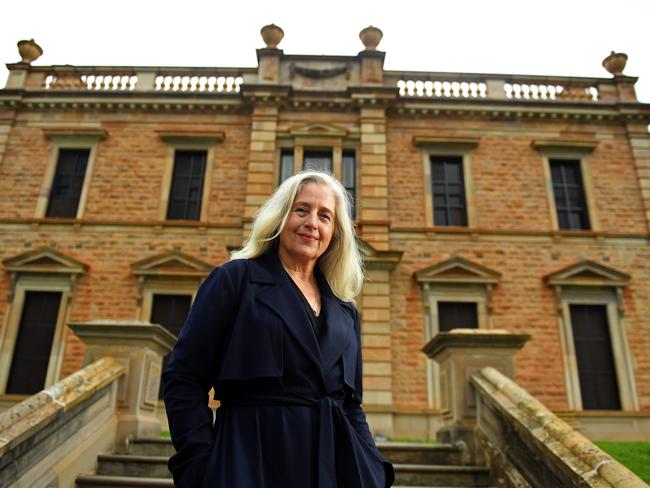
point(133, 465)
point(416, 453)
point(123, 481)
point(151, 447)
point(437, 475)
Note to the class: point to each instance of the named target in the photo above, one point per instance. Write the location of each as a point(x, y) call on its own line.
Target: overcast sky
point(569, 37)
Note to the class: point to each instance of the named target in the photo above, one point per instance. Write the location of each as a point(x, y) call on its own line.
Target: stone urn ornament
point(272, 35)
point(615, 63)
point(29, 51)
point(371, 37)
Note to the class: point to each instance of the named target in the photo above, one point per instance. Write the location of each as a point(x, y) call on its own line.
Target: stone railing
point(470, 86)
point(43, 439)
point(128, 79)
point(524, 439)
point(53, 436)
point(498, 423)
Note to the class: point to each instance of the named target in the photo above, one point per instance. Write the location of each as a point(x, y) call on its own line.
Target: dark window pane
point(170, 311)
point(449, 204)
point(348, 179)
point(187, 185)
point(598, 383)
point(34, 342)
point(286, 164)
point(318, 161)
point(457, 315)
point(569, 195)
point(67, 183)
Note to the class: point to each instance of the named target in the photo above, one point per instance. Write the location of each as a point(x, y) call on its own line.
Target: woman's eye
point(325, 217)
point(301, 210)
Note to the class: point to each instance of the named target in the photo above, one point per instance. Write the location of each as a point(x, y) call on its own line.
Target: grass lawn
point(634, 455)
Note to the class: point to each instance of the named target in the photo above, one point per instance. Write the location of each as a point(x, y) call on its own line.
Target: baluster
point(133, 81)
point(534, 92)
point(201, 80)
point(401, 86)
point(212, 81)
point(176, 81)
point(464, 89)
point(419, 88)
point(238, 82)
point(48, 81)
point(555, 91)
point(410, 88)
point(428, 88)
point(593, 91)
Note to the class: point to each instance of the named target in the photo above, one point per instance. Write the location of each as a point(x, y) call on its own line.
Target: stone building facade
point(491, 201)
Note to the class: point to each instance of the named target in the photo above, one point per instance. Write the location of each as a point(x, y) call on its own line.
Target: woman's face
point(310, 225)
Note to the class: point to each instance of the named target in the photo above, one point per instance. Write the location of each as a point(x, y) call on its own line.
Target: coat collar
point(282, 299)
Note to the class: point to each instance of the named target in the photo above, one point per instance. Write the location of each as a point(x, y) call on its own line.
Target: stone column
point(261, 165)
point(140, 347)
point(640, 144)
point(461, 353)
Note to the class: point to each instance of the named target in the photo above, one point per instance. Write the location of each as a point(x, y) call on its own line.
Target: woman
point(275, 333)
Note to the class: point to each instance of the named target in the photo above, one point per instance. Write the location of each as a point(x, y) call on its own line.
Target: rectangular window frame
point(570, 295)
point(187, 143)
point(571, 150)
point(68, 139)
point(436, 146)
point(337, 146)
point(202, 186)
point(24, 284)
point(434, 293)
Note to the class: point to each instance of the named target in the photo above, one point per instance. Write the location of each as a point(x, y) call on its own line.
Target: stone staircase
point(416, 465)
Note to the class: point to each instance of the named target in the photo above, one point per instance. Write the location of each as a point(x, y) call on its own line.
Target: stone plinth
point(461, 353)
point(140, 347)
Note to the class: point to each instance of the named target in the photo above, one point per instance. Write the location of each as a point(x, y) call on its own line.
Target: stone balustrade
point(522, 438)
point(408, 84)
point(43, 439)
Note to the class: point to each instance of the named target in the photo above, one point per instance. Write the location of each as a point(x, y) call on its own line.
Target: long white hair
point(341, 262)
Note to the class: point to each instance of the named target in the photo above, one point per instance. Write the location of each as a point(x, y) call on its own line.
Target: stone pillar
point(373, 204)
point(261, 165)
point(140, 347)
point(461, 353)
point(268, 60)
point(640, 144)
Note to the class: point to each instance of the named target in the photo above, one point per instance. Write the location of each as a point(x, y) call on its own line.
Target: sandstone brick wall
point(512, 236)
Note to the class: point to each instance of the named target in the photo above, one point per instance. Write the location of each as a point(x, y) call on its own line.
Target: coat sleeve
point(353, 410)
point(191, 372)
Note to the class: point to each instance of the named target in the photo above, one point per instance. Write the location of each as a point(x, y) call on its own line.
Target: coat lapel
point(339, 330)
point(282, 299)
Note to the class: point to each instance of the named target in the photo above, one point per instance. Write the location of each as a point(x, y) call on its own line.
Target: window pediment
point(44, 260)
point(319, 130)
point(171, 264)
point(457, 270)
point(588, 273)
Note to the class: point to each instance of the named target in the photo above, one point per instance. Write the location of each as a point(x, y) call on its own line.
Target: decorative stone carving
point(272, 35)
point(371, 37)
point(615, 63)
point(29, 51)
point(320, 74)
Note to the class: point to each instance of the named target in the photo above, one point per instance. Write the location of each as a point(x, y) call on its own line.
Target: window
point(32, 341)
point(286, 164)
point(68, 171)
point(593, 346)
point(318, 161)
point(31, 355)
point(68, 182)
point(448, 184)
point(447, 164)
point(340, 163)
point(456, 293)
point(348, 179)
point(457, 315)
point(187, 185)
point(187, 174)
point(170, 311)
point(593, 337)
point(568, 183)
point(569, 195)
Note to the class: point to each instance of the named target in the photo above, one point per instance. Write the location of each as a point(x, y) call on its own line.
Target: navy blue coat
point(290, 413)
